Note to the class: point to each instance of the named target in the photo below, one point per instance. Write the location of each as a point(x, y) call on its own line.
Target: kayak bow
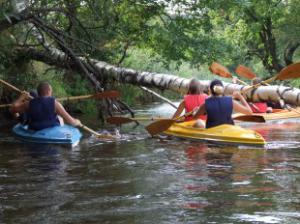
point(63, 135)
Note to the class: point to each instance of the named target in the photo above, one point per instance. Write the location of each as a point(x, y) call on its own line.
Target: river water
point(139, 179)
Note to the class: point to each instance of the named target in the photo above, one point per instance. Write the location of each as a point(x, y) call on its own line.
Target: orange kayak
point(276, 115)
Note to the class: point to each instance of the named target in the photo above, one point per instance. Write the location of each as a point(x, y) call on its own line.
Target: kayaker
point(219, 108)
point(43, 110)
point(194, 98)
point(259, 107)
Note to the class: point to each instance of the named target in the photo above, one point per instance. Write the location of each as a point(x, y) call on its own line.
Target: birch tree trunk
point(110, 72)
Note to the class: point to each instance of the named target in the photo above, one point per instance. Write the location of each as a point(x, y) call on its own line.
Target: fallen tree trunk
point(110, 72)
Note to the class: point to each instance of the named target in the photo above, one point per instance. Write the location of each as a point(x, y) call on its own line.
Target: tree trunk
point(110, 72)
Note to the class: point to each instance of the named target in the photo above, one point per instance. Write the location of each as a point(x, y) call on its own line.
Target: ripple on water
point(93, 141)
point(257, 218)
point(283, 144)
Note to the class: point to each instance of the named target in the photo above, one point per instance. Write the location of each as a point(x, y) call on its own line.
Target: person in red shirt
point(259, 107)
point(193, 99)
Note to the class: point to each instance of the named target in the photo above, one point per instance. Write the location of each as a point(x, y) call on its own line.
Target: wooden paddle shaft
point(75, 97)
point(96, 133)
point(59, 99)
point(105, 94)
point(10, 86)
point(89, 130)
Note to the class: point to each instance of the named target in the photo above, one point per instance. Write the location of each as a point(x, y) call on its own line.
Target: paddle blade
point(250, 118)
point(220, 70)
point(107, 94)
point(245, 72)
point(290, 72)
point(159, 126)
point(119, 120)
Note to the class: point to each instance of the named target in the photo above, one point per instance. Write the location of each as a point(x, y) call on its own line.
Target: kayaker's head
point(216, 87)
point(33, 93)
point(194, 87)
point(44, 89)
point(256, 80)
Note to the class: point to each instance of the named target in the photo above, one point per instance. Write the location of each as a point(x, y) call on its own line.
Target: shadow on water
point(138, 179)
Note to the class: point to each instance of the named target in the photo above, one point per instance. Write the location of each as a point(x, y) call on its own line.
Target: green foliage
point(146, 60)
point(177, 37)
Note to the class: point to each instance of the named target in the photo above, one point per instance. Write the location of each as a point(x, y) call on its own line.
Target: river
point(139, 179)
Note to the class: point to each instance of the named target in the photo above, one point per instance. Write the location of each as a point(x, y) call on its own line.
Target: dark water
point(143, 180)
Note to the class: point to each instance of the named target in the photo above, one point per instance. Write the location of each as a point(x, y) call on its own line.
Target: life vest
point(219, 111)
point(259, 107)
point(42, 113)
point(193, 101)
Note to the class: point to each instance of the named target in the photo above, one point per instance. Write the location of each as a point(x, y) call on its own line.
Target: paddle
point(81, 126)
point(163, 124)
point(290, 72)
point(250, 118)
point(100, 95)
point(245, 72)
point(10, 86)
point(222, 71)
point(103, 136)
point(123, 120)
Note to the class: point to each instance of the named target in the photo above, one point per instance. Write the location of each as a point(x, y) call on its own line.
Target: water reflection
point(143, 180)
point(238, 179)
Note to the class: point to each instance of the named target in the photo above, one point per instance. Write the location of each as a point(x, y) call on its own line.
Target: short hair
point(33, 93)
point(43, 88)
point(256, 80)
point(194, 87)
point(213, 84)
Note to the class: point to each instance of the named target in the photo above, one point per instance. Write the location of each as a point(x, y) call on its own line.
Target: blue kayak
point(63, 135)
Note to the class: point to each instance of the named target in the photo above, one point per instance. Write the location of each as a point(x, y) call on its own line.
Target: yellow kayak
point(277, 114)
point(224, 133)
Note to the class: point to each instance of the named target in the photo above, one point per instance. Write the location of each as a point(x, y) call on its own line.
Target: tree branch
point(289, 52)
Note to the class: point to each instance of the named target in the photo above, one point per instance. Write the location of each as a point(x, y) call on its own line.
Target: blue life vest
point(42, 113)
point(219, 111)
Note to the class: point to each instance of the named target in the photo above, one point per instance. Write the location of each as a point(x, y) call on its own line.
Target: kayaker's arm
point(60, 110)
point(200, 111)
point(243, 107)
point(179, 110)
point(254, 108)
point(21, 104)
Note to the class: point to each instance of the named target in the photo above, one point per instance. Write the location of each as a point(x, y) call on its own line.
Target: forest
point(227, 154)
point(85, 46)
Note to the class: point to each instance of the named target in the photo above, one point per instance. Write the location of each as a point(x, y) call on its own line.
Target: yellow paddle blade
point(119, 120)
point(290, 72)
point(220, 70)
point(157, 127)
point(245, 72)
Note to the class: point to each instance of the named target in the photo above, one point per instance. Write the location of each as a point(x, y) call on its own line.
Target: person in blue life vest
point(219, 108)
point(43, 111)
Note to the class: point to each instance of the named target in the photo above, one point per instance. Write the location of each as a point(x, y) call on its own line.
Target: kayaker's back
point(219, 111)
point(42, 113)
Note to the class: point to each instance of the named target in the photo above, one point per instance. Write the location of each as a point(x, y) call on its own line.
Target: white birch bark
point(165, 81)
